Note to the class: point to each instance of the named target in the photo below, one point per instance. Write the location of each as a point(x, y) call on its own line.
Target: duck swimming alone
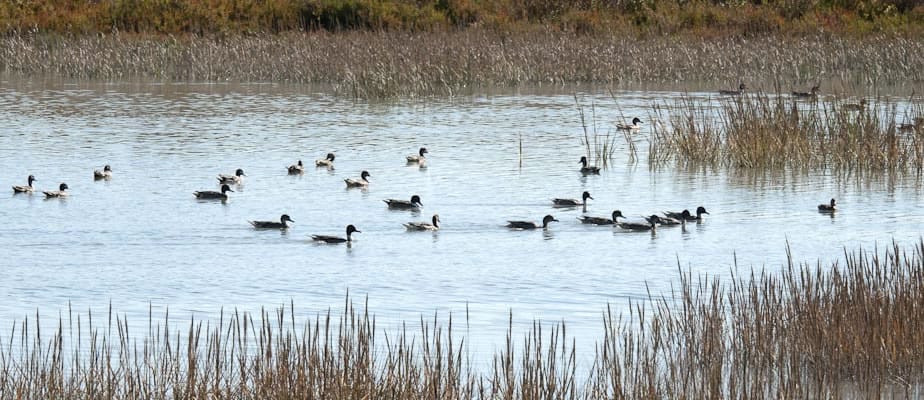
point(830, 207)
point(327, 162)
point(273, 224)
point(424, 226)
point(211, 194)
point(237, 178)
point(413, 204)
point(296, 168)
point(106, 173)
point(807, 95)
point(740, 90)
point(362, 182)
point(572, 202)
point(350, 229)
point(916, 125)
point(25, 189)
point(626, 127)
point(530, 224)
point(61, 192)
point(686, 215)
point(588, 170)
point(601, 220)
point(419, 157)
point(650, 225)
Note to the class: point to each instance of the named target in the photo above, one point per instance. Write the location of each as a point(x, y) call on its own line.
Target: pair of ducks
point(225, 181)
point(61, 192)
point(326, 162)
point(282, 224)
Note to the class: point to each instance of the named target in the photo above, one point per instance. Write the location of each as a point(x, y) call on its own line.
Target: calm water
point(142, 240)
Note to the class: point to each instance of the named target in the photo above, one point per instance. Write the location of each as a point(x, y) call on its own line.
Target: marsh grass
point(850, 328)
point(599, 148)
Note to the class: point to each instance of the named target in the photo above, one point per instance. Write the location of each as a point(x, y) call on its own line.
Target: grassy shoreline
point(849, 328)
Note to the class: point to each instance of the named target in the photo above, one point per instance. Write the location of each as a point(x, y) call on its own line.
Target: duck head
point(617, 214)
point(239, 172)
point(583, 161)
point(62, 187)
point(365, 175)
point(415, 199)
point(331, 156)
point(285, 217)
point(107, 168)
point(31, 179)
point(350, 229)
point(226, 188)
point(436, 220)
point(423, 150)
point(701, 210)
point(547, 219)
point(636, 121)
point(586, 196)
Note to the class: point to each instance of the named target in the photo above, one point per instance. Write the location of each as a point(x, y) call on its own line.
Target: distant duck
point(588, 170)
point(531, 224)
point(236, 179)
point(106, 173)
point(855, 107)
point(572, 202)
point(25, 189)
point(350, 229)
point(740, 90)
point(807, 95)
point(211, 194)
point(362, 182)
point(829, 207)
point(626, 127)
point(273, 224)
point(914, 126)
point(424, 226)
point(296, 168)
point(413, 204)
point(327, 162)
point(601, 220)
point(650, 224)
point(686, 215)
point(61, 192)
point(419, 157)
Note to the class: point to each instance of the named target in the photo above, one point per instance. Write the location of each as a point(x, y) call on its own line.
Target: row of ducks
point(811, 94)
point(105, 173)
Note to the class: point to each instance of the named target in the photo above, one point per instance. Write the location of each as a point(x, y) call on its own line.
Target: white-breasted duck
point(633, 127)
point(327, 162)
point(588, 170)
point(419, 157)
point(296, 168)
point(413, 204)
point(27, 188)
point(281, 224)
point(530, 224)
point(572, 202)
point(105, 173)
point(61, 192)
point(434, 225)
point(236, 179)
point(601, 220)
point(350, 229)
point(211, 194)
point(362, 182)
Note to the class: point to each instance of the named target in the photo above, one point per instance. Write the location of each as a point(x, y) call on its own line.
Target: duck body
point(601, 220)
point(685, 215)
point(213, 195)
point(327, 162)
point(633, 127)
point(61, 192)
point(588, 170)
point(362, 182)
point(526, 225)
point(856, 107)
point(350, 229)
point(105, 173)
point(807, 95)
point(27, 188)
point(650, 225)
point(413, 204)
point(434, 225)
point(236, 179)
point(419, 157)
point(914, 126)
point(571, 202)
point(740, 91)
point(281, 224)
point(296, 168)
point(828, 207)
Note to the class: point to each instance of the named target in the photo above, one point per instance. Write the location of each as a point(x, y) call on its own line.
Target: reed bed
point(406, 64)
point(849, 329)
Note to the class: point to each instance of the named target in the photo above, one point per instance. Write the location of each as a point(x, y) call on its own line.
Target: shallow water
point(141, 240)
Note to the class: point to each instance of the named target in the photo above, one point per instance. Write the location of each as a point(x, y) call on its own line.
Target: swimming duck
point(106, 173)
point(805, 95)
point(588, 170)
point(600, 220)
point(650, 224)
point(572, 202)
point(297, 168)
point(362, 182)
point(740, 90)
point(917, 124)
point(237, 178)
point(419, 158)
point(414, 204)
point(424, 226)
point(530, 224)
point(830, 207)
point(669, 221)
point(687, 216)
point(326, 162)
point(273, 224)
point(626, 127)
point(61, 192)
point(856, 107)
point(25, 189)
point(211, 194)
point(350, 229)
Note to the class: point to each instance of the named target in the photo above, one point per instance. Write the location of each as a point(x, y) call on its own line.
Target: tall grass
point(849, 329)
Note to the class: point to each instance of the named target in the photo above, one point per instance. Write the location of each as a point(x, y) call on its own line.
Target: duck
point(650, 224)
point(572, 202)
point(61, 192)
point(211, 194)
point(626, 127)
point(362, 182)
point(586, 170)
point(424, 226)
point(669, 221)
point(327, 161)
point(296, 168)
point(350, 229)
point(856, 107)
point(237, 178)
point(530, 224)
point(273, 224)
point(740, 90)
point(601, 220)
point(27, 188)
point(106, 173)
point(413, 204)
point(807, 95)
point(419, 157)
point(917, 124)
point(829, 207)
point(686, 215)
